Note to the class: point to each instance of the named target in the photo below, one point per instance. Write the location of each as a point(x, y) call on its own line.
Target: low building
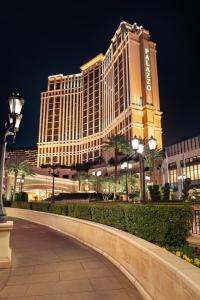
point(182, 161)
point(27, 154)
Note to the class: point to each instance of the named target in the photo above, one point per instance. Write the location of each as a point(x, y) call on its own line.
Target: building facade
point(114, 93)
point(26, 154)
point(182, 161)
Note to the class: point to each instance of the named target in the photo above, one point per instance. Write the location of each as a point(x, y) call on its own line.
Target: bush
point(166, 192)
point(22, 196)
point(186, 188)
point(155, 194)
point(109, 215)
point(82, 211)
point(40, 206)
point(77, 196)
point(7, 203)
point(160, 224)
point(58, 209)
point(21, 204)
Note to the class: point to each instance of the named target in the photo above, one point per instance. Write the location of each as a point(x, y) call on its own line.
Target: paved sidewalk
point(194, 240)
point(47, 265)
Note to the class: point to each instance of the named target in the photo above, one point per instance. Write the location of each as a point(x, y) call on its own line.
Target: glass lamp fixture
point(18, 180)
point(18, 121)
point(122, 166)
point(125, 164)
point(152, 143)
point(140, 148)
point(98, 173)
point(15, 102)
point(93, 173)
point(10, 119)
point(135, 143)
point(129, 166)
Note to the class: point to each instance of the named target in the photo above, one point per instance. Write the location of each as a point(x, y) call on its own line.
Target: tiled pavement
point(47, 265)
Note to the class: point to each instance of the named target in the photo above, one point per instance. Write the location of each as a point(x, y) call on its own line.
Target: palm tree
point(153, 159)
point(118, 144)
point(17, 167)
point(80, 178)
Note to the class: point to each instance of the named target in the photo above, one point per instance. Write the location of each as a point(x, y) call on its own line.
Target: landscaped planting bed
point(188, 253)
point(164, 225)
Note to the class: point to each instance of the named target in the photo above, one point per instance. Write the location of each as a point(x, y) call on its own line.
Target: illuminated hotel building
point(114, 93)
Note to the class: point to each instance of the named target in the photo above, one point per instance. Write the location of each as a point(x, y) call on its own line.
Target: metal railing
point(196, 222)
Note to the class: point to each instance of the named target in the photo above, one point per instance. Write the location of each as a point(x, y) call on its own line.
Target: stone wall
point(156, 273)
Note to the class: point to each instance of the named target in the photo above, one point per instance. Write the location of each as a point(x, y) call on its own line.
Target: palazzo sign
point(147, 67)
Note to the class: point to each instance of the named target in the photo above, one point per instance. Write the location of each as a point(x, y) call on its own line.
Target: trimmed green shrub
point(160, 224)
point(21, 204)
point(78, 196)
point(155, 193)
point(109, 215)
point(186, 187)
point(58, 209)
point(7, 203)
point(22, 196)
point(157, 223)
point(166, 192)
point(82, 211)
point(40, 206)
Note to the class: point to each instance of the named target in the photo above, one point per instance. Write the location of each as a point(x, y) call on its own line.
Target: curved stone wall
point(156, 273)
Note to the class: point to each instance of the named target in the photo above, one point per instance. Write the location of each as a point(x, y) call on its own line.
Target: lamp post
point(15, 102)
point(97, 174)
point(54, 172)
point(138, 147)
point(125, 166)
point(20, 181)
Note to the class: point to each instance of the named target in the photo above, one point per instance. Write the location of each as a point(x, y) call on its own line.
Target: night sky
point(42, 38)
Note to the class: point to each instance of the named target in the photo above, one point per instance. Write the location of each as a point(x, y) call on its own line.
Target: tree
point(166, 192)
point(186, 188)
point(80, 178)
point(18, 167)
point(153, 160)
point(155, 194)
point(118, 144)
point(107, 184)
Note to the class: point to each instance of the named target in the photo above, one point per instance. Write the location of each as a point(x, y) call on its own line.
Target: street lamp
point(97, 174)
point(16, 103)
point(138, 146)
point(54, 172)
point(125, 166)
point(20, 181)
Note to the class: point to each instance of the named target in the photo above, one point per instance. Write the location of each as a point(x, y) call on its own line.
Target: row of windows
point(65, 84)
point(190, 168)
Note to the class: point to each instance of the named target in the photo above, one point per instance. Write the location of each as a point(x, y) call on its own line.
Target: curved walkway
point(47, 265)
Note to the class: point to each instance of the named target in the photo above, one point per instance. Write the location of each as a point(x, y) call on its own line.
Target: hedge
point(22, 196)
point(160, 224)
point(109, 215)
point(20, 204)
point(39, 206)
point(58, 209)
point(80, 211)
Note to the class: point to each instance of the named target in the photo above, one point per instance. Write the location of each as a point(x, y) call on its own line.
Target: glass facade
point(183, 161)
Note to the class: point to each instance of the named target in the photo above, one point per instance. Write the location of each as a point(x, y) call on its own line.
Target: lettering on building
point(147, 69)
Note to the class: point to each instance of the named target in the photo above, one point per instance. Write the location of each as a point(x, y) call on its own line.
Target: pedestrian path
point(194, 240)
point(47, 265)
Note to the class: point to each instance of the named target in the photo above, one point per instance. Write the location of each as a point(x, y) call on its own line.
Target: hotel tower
point(115, 93)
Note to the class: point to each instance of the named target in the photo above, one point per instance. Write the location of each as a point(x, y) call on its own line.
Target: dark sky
point(42, 38)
